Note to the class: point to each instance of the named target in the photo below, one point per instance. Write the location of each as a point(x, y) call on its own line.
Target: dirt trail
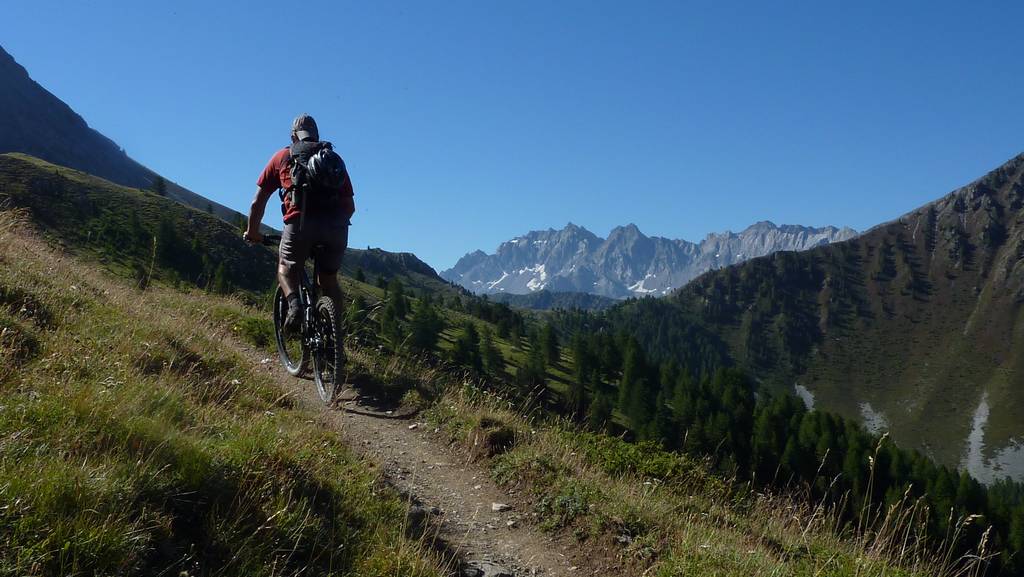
point(457, 497)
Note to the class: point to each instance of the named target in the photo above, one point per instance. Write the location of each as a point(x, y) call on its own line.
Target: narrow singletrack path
point(456, 496)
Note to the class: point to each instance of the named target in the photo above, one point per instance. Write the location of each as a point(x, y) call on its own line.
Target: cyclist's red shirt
point(277, 175)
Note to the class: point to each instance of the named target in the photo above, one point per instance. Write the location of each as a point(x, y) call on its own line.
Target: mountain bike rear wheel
point(290, 346)
point(329, 356)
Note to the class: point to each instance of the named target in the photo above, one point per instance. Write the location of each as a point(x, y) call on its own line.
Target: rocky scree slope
point(627, 263)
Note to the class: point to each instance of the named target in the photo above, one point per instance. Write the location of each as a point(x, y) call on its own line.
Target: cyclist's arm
point(259, 205)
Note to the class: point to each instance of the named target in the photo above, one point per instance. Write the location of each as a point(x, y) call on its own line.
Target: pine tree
point(1016, 534)
point(582, 377)
point(390, 330)
point(209, 208)
point(661, 429)
point(467, 348)
point(632, 370)
point(515, 336)
point(396, 295)
point(359, 275)
point(160, 186)
point(637, 391)
point(220, 283)
point(426, 326)
point(503, 328)
point(532, 373)
point(493, 362)
point(549, 344)
point(599, 417)
point(382, 283)
point(167, 241)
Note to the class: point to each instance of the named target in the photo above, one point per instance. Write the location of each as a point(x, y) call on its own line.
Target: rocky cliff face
point(627, 263)
point(35, 122)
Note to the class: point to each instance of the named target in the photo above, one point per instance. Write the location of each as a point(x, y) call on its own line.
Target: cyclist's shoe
point(293, 320)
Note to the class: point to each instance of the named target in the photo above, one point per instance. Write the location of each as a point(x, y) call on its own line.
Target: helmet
point(326, 168)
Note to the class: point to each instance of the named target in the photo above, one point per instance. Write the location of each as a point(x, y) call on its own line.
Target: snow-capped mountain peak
point(626, 263)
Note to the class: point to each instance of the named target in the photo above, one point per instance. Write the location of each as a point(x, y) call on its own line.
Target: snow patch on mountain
point(627, 263)
point(638, 287)
point(493, 284)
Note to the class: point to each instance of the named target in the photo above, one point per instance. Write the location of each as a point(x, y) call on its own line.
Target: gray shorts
point(330, 234)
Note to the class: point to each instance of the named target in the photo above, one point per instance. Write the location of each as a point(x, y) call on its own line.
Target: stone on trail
point(484, 569)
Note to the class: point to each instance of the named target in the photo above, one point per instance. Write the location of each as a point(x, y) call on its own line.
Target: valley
point(785, 400)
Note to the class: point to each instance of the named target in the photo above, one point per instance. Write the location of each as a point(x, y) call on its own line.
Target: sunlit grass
point(134, 442)
point(662, 513)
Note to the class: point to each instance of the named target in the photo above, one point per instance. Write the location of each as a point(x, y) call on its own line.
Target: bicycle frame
point(308, 295)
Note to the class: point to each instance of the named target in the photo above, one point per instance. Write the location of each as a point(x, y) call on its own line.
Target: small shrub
point(570, 500)
point(257, 332)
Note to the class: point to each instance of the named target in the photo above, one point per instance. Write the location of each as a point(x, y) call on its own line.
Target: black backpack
point(317, 175)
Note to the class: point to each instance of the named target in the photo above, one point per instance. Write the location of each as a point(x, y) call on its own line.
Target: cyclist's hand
point(253, 237)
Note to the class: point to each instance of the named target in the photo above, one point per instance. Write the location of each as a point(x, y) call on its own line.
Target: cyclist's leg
point(294, 251)
point(329, 285)
point(334, 242)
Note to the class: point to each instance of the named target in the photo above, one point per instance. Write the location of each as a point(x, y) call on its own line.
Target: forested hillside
point(134, 231)
point(912, 325)
point(550, 300)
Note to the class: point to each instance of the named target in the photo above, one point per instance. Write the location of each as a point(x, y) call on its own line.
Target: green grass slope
point(134, 441)
point(133, 231)
point(154, 239)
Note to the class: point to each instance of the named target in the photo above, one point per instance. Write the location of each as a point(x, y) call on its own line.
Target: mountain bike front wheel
point(329, 353)
point(290, 346)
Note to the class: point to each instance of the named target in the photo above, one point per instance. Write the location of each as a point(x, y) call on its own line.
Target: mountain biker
point(308, 222)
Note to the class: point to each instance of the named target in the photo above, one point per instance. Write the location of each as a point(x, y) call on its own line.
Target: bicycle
point(320, 338)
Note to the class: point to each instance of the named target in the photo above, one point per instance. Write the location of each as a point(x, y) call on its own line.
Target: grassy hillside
point(374, 264)
point(655, 512)
point(134, 442)
point(916, 320)
point(133, 232)
point(636, 505)
point(160, 448)
point(153, 239)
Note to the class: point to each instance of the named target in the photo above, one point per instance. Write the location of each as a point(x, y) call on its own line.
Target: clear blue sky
point(466, 123)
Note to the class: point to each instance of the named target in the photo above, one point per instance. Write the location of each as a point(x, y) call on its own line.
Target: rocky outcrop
point(627, 263)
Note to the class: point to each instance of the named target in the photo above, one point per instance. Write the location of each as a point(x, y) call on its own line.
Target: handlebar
point(271, 240)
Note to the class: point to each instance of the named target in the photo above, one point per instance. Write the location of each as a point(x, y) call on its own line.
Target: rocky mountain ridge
point(33, 121)
point(627, 263)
